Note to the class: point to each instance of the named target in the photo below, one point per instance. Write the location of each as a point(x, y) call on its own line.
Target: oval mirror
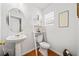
point(14, 20)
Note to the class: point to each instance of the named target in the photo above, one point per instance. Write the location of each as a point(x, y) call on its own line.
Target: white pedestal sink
point(16, 38)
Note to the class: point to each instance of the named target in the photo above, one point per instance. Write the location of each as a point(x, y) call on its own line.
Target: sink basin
point(16, 38)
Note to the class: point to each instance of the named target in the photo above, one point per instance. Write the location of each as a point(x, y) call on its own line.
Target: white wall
point(0, 21)
point(29, 43)
point(1, 52)
point(78, 38)
point(61, 38)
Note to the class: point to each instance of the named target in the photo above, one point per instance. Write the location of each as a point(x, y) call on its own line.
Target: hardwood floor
point(50, 53)
point(33, 53)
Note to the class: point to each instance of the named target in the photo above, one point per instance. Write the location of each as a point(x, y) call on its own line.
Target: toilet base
point(43, 51)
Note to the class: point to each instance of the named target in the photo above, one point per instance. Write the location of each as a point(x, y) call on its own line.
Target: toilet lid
point(44, 45)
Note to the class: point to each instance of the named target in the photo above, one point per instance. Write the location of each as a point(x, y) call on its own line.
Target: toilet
point(44, 46)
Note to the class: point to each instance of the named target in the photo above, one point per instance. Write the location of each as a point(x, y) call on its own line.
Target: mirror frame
point(19, 18)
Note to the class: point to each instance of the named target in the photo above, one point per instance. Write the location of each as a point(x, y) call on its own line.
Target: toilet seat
point(44, 45)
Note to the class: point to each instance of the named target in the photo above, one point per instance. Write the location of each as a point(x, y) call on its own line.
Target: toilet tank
point(39, 38)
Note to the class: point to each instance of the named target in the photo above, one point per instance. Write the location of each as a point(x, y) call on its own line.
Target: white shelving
point(37, 28)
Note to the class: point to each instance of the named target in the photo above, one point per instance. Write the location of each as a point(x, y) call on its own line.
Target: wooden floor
point(32, 53)
point(52, 53)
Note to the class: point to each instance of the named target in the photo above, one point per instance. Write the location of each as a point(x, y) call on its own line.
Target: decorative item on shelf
point(64, 19)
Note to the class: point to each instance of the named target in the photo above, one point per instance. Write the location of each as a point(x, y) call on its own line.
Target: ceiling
point(39, 5)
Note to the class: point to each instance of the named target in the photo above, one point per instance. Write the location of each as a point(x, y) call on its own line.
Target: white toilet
point(43, 45)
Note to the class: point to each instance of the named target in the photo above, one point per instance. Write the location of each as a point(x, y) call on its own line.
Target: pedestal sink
point(16, 38)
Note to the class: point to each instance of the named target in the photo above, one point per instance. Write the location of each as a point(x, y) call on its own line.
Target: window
point(49, 18)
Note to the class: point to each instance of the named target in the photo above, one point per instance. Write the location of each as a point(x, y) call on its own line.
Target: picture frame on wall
point(64, 19)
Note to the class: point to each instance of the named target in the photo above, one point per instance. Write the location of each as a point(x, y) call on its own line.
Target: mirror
point(14, 20)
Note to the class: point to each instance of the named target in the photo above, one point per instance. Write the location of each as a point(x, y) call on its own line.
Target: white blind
point(49, 18)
